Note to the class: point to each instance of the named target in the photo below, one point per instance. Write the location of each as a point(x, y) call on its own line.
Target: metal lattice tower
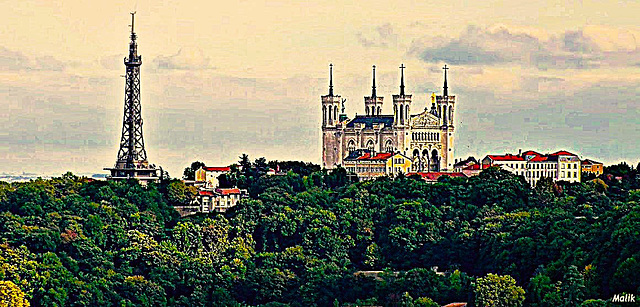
point(132, 156)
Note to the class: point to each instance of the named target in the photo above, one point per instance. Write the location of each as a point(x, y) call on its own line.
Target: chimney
point(520, 152)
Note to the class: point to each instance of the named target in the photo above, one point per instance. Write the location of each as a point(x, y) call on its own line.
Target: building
point(532, 165)
point(458, 166)
point(219, 200)
point(207, 176)
point(593, 167)
point(132, 156)
point(368, 166)
point(426, 136)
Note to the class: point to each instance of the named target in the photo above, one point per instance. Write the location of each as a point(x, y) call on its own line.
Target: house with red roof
point(218, 200)
point(368, 165)
point(207, 176)
point(593, 167)
point(533, 166)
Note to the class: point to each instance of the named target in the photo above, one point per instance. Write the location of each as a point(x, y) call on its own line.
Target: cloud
point(186, 58)
point(590, 47)
point(382, 36)
point(15, 60)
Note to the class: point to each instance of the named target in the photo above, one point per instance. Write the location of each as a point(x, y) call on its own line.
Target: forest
point(314, 237)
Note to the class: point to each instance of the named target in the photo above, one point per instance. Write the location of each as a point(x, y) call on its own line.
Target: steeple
point(446, 89)
point(402, 67)
point(373, 89)
point(330, 79)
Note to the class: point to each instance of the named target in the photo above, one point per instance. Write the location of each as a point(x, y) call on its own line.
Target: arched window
point(324, 115)
point(435, 160)
point(439, 111)
point(395, 113)
point(335, 113)
point(406, 113)
point(373, 111)
point(451, 115)
point(370, 146)
point(330, 111)
point(379, 111)
point(388, 146)
point(401, 117)
point(444, 115)
point(351, 147)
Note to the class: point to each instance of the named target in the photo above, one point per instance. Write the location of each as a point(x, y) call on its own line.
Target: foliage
point(498, 291)
point(312, 237)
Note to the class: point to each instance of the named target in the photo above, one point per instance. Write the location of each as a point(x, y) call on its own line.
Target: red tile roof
point(562, 153)
point(539, 159)
point(455, 305)
point(205, 193)
point(507, 157)
point(589, 162)
point(216, 168)
point(379, 156)
point(228, 191)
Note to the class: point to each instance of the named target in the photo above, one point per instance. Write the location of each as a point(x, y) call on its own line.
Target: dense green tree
point(498, 291)
point(190, 171)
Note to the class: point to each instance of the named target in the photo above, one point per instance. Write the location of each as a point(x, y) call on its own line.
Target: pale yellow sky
point(60, 63)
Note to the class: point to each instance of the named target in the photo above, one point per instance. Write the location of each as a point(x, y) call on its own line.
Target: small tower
point(132, 156)
point(446, 108)
point(373, 103)
point(330, 104)
point(401, 104)
point(330, 121)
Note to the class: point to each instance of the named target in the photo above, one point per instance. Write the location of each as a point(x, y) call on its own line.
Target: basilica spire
point(402, 67)
point(373, 89)
point(446, 89)
point(330, 79)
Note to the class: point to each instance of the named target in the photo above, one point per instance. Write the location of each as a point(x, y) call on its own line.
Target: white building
point(560, 165)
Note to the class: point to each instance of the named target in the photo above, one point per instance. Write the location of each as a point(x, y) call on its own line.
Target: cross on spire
point(402, 67)
point(330, 79)
point(373, 89)
point(132, 15)
point(446, 89)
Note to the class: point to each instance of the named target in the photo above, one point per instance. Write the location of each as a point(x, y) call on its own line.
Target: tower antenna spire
point(330, 79)
point(402, 67)
point(446, 89)
point(373, 89)
point(132, 15)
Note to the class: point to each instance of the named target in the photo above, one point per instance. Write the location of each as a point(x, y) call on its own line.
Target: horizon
point(535, 76)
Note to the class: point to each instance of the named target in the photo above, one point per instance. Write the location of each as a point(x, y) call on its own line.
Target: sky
point(222, 78)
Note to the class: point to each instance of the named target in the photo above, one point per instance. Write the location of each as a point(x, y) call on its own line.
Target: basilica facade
point(416, 130)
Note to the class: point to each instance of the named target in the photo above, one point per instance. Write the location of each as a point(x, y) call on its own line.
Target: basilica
point(417, 132)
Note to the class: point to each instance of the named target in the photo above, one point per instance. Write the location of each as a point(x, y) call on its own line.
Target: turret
point(401, 104)
point(330, 104)
point(373, 103)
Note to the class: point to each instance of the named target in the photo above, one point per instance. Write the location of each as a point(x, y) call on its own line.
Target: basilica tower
point(373, 103)
point(331, 142)
point(445, 108)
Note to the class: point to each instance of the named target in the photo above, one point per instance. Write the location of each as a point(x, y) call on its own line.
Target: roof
point(473, 167)
point(216, 168)
point(365, 155)
point(465, 162)
point(228, 191)
point(590, 162)
point(539, 159)
point(507, 157)
point(562, 153)
point(530, 153)
point(455, 305)
point(205, 193)
point(369, 121)
point(433, 176)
